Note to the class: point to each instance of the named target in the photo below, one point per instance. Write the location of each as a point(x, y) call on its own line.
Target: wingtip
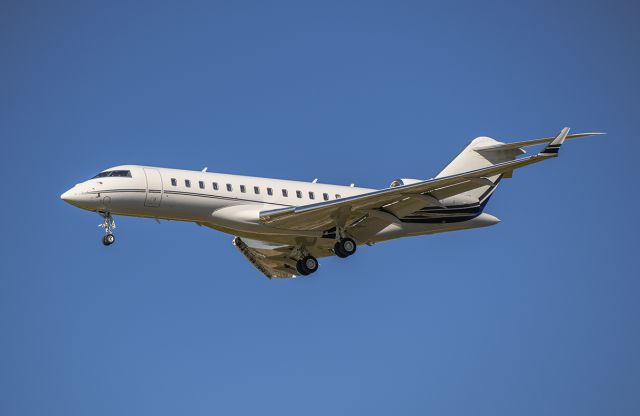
point(561, 137)
point(552, 148)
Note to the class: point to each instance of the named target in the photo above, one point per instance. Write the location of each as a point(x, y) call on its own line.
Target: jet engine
point(403, 181)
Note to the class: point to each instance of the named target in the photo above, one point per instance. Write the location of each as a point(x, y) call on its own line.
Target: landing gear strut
point(344, 247)
point(307, 265)
point(109, 224)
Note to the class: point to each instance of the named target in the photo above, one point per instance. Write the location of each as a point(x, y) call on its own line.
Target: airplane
point(282, 227)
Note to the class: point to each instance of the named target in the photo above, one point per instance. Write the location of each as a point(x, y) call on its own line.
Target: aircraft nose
point(68, 196)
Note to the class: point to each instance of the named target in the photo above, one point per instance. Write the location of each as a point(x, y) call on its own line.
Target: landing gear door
point(154, 188)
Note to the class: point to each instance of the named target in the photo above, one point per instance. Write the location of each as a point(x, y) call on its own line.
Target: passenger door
point(154, 188)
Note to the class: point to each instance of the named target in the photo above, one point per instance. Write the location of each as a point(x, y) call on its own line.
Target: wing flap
point(273, 266)
point(276, 260)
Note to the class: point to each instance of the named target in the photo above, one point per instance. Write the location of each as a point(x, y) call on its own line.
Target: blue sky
point(537, 315)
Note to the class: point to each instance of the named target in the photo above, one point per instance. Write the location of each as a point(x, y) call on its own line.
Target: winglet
point(552, 148)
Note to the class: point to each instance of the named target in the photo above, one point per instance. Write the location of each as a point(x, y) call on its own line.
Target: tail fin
point(484, 152)
point(472, 158)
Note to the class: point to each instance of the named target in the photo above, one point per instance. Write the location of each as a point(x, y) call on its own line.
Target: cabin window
point(201, 184)
point(174, 182)
point(325, 196)
point(256, 190)
point(311, 195)
point(215, 186)
point(269, 191)
point(229, 187)
point(338, 196)
point(187, 183)
point(299, 194)
point(243, 189)
point(285, 193)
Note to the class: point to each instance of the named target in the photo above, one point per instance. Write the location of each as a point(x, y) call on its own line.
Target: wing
point(273, 260)
point(379, 204)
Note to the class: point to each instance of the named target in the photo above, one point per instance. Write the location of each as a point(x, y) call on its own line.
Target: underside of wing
point(273, 260)
point(270, 259)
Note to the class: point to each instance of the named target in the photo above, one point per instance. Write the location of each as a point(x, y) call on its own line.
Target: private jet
point(282, 227)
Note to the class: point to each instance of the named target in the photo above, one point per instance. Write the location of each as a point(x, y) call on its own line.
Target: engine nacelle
point(403, 181)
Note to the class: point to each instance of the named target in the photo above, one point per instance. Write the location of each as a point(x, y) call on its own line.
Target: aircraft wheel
point(108, 239)
point(310, 263)
point(337, 249)
point(307, 265)
point(345, 247)
point(302, 270)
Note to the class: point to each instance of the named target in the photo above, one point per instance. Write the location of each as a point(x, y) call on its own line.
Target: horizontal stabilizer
point(525, 143)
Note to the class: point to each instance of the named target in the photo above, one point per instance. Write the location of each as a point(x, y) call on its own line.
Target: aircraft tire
point(310, 263)
point(307, 265)
point(345, 247)
point(337, 249)
point(301, 268)
point(108, 239)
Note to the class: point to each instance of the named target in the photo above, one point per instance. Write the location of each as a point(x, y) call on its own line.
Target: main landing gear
point(307, 265)
point(344, 247)
point(109, 224)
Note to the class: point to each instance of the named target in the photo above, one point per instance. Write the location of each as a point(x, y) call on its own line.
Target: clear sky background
point(537, 315)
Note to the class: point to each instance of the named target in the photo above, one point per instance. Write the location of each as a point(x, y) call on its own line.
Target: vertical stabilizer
point(472, 158)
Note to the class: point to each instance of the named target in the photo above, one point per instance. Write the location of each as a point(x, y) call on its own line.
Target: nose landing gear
point(108, 239)
point(109, 224)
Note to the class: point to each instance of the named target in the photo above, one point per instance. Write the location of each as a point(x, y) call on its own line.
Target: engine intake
point(403, 181)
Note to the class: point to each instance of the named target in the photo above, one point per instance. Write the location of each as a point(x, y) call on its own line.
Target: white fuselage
point(229, 203)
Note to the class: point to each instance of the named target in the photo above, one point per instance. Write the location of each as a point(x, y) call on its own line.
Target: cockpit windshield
point(114, 173)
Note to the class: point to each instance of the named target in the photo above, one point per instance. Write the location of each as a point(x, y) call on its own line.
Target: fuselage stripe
point(106, 191)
